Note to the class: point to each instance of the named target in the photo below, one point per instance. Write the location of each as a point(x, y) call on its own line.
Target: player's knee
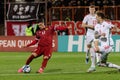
point(46, 57)
point(96, 50)
point(34, 54)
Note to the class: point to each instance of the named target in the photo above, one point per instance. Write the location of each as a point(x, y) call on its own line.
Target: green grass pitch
point(62, 66)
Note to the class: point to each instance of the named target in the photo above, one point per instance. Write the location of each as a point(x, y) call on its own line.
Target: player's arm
point(61, 28)
point(32, 43)
point(85, 23)
point(87, 26)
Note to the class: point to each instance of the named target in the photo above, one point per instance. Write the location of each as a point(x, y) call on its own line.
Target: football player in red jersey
point(44, 38)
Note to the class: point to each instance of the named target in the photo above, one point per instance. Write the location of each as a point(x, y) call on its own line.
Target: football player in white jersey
point(102, 43)
point(89, 22)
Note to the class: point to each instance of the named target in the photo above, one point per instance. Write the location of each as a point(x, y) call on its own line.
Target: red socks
point(29, 59)
point(44, 63)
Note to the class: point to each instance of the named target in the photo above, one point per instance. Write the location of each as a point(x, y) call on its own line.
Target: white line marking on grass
point(35, 74)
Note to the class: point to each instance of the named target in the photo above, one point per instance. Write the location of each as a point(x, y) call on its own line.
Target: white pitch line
point(29, 74)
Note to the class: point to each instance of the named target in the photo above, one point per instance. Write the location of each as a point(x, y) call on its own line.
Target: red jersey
point(44, 37)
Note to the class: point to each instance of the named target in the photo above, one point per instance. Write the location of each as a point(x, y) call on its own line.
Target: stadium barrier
point(18, 28)
point(14, 43)
point(71, 43)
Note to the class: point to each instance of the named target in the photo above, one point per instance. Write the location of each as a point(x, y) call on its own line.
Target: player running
point(102, 43)
point(44, 38)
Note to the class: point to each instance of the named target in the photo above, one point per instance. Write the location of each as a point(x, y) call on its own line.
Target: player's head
point(100, 16)
point(41, 25)
point(92, 9)
point(29, 24)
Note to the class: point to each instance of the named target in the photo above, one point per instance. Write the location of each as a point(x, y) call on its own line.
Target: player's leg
point(89, 40)
point(103, 60)
point(104, 57)
point(44, 64)
point(111, 65)
point(104, 63)
point(104, 51)
point(98, 57)
point(87, 53)
point(46, 56)
point(92, 54)
point(30, 58)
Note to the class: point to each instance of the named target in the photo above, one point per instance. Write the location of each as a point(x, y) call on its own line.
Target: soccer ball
point(26, 68)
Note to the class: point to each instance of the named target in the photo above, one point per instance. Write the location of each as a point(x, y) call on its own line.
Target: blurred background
point(17, 11)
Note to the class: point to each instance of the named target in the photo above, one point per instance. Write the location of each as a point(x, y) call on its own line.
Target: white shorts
point(105, 49)
point(89, 39)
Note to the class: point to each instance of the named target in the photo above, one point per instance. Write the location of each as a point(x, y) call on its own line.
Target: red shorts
point(45, 51)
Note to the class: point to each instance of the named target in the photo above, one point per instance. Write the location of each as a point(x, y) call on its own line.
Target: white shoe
point(118, 68)
point(91, 69)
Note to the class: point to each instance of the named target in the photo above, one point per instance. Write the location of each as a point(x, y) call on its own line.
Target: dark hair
point(92, 6)
point(29, 23)
point(100, 14)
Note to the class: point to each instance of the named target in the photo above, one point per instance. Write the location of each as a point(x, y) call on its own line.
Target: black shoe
point(87, 60)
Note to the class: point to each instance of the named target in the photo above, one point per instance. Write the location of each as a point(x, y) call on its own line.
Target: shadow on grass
point(60, 71)
point(53, 70)
point(112, 72)
point(106, 72)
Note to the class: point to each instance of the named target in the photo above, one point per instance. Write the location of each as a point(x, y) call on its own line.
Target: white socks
point(98, 57)
point(111, 65)
point(92, 54)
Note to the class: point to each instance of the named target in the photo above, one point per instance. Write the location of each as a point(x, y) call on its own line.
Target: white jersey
point(104, 27)
point(111, 40)
point(90, 20)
